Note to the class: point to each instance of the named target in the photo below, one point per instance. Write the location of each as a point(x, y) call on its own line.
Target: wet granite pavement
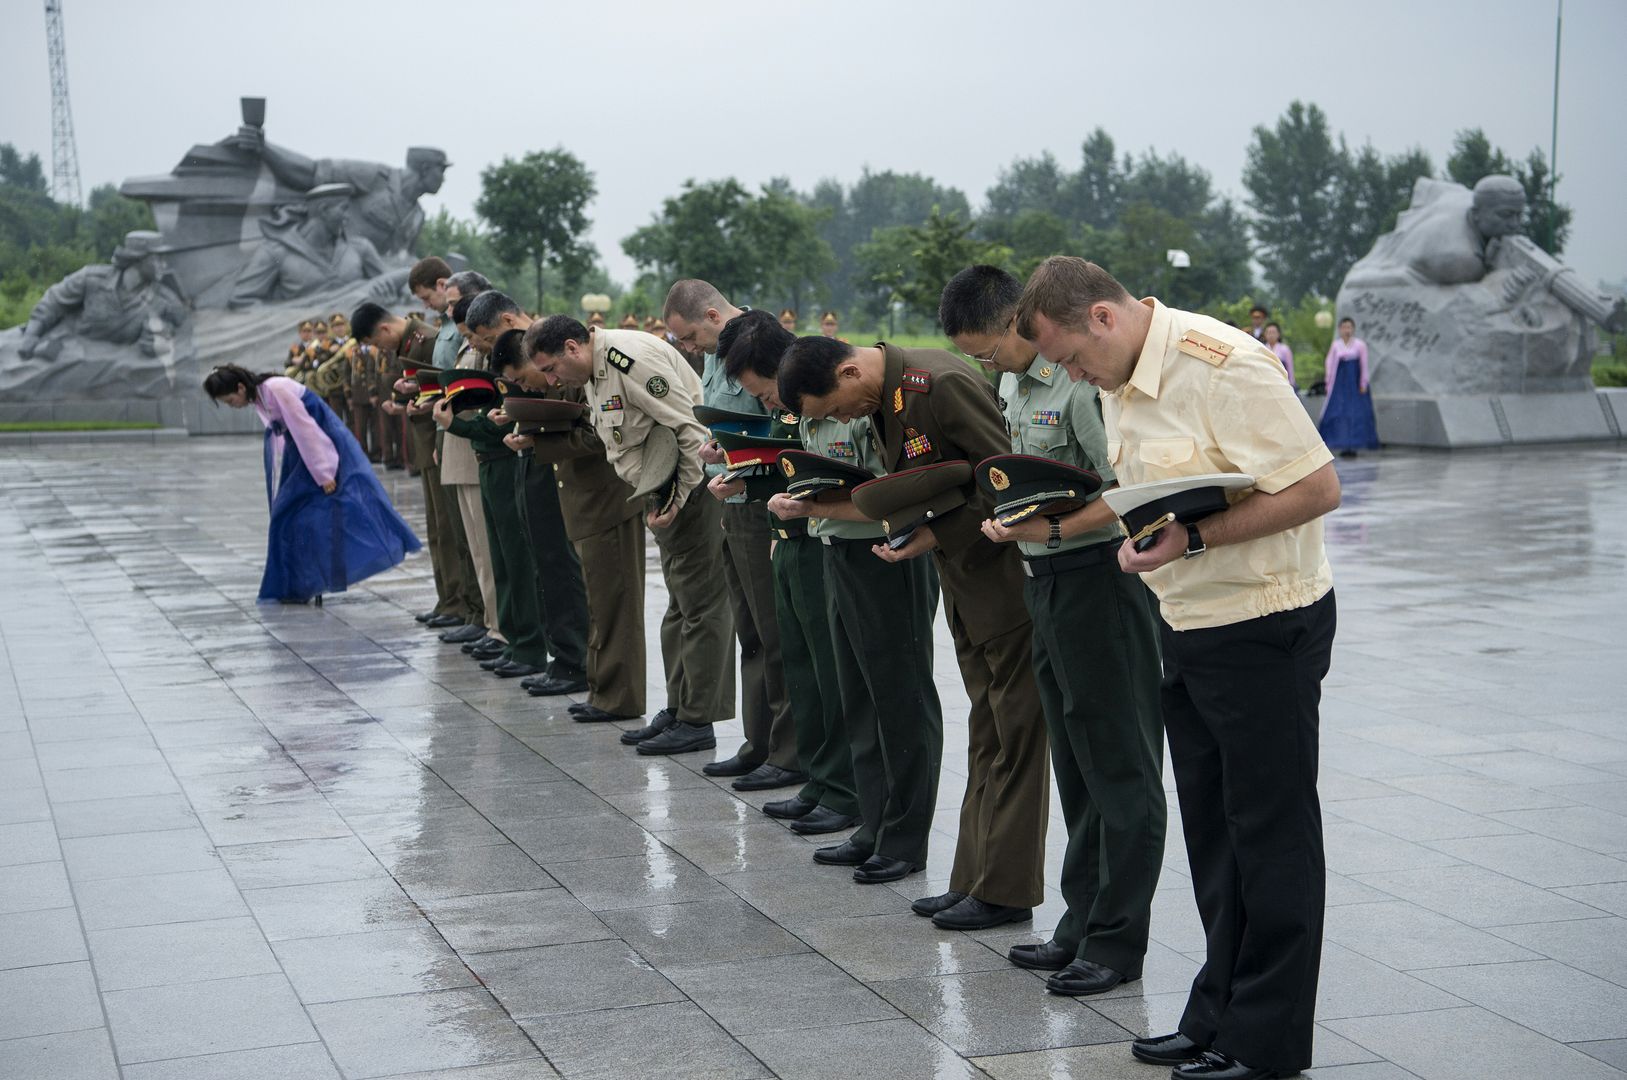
point(296, 843)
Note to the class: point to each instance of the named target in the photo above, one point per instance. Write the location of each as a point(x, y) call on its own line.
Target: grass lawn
point(77, 425)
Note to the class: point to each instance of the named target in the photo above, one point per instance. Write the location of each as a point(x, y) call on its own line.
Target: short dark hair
point(486, 309)
point(427, 271)
point(506, 352)
point(1262, 310)
point(1063, 289)
point(460, 310)
point(753, 342)
point(226, 378)
point(808, 368)
point(549, 335)
point(366, 319)
point(1269, 325)
point(978, 300)
point(469, 282)
point(1348, 319)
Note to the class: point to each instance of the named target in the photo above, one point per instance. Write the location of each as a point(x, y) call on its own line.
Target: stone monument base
point(1458, 421)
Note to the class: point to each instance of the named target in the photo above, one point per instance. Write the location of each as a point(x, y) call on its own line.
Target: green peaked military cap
point(813, 476)
point(1185, 499)
point(428, 380)
point(1023, 485)
point(752, 449)
point(738, 423)
point(658, 471)
point(904, 501)
point(470, 388)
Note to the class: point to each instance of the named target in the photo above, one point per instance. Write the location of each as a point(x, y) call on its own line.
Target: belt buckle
point(1028, 568)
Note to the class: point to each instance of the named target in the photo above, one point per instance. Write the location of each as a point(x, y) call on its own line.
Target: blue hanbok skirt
point(1347, 420)
point(322, 543)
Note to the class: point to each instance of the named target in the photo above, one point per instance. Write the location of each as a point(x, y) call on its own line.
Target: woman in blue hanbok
point(332, 525)
point(1347, 423)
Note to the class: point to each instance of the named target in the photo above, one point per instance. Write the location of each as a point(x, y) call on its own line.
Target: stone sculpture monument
point(1477, 336)
point(254, 237)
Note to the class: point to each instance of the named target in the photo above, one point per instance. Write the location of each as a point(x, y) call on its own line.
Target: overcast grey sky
point(649, 94)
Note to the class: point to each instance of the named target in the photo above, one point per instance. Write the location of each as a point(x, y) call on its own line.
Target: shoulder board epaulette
point(1205, 348)
point(917, 379)
point(618, 359)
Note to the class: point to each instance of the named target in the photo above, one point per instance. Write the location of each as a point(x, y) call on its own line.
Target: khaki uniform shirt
point(852, 442)
point(458, 464)
point(638, 382)
point(1207, 398)
point(592, 498)
point(1051, 416)
point(936, 407)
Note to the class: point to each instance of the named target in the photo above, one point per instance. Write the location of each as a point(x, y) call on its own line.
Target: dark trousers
point(391, 433)
point(456, 586)
point(1240, 707)
point(613, 574)
point(764, 711)
point(881, 622)
point(513, 567)
point(1098, 681)
point(562, 600)
point(364, 425)
point(808, 658)
point(697, 631)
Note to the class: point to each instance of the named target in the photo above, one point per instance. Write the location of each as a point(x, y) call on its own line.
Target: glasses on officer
point(992, 353)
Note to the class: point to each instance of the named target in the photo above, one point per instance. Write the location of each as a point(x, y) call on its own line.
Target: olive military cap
point(1024, 485)
point(737, 423)
point(541, 415)
point(904, 501)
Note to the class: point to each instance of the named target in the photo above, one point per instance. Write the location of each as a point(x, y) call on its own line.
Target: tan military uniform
point(460, 474)
point(456, 587)
point(360, 380)
point(935, 407)
point(639, 381)
point(608, 532)
point(387, 369)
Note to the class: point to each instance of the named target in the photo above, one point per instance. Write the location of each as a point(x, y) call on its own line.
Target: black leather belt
point(838, 541)
point(1049, 565)
point(789, 534)
point(501, 455)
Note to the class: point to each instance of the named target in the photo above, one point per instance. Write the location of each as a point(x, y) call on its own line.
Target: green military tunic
point(934, 408)
point(878, 618)
point(1096, 666)
point(514, 566)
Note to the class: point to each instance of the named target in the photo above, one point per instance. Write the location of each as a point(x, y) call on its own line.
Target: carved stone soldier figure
point(305, 249)
point(132, 301)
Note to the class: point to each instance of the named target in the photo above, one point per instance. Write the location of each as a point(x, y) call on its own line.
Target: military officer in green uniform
point(456, 586)
point(927, 407)
point(1095, 653)
point(634, 383)
point(695, 314)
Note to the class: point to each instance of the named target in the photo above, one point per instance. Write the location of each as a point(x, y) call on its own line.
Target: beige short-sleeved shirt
point(1207, 398)
point(639, 382)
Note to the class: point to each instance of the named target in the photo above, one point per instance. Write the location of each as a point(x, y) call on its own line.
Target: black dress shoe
point(1049, 956)
point(442, 622)
point(592, 715)
point(482, 643)
point(766, 777)
point(658, 723)
point(1214, 1065)
point(789, 809)
point(974, 914)
point(928, 906)
point(492, 663)
point(822, 820)
point(1172, 1049)
point(680, 738)
point(879, 869)
point(515, 670)
point(463, 635)
point(425, 616)
point(729, 766)
point(1082, 978)
point(554, 686)
point(489, 652)
point(847, 853)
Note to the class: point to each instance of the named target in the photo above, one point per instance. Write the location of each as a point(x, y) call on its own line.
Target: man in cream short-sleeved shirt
point(1248, 621)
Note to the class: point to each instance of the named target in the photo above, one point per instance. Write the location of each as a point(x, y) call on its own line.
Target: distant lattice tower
point(64, 153)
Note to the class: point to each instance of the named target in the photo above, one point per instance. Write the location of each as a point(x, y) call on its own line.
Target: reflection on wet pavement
point(294, 842)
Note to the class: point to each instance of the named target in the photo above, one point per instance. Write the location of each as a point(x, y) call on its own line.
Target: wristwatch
point(1056, 533)
point(1194, 543)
